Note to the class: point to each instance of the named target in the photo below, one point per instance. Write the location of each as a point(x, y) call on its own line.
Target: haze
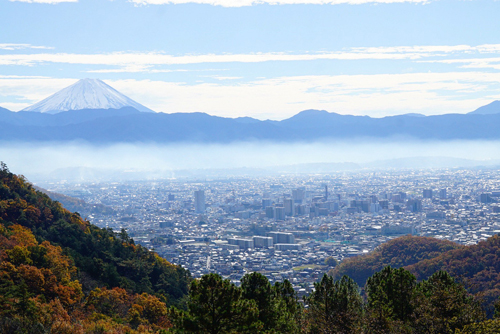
point(40, 161)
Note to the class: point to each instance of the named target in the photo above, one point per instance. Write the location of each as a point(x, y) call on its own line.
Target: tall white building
point(199, 201)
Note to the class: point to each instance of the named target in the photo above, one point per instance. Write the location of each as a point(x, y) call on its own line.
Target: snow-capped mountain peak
point(86, 94)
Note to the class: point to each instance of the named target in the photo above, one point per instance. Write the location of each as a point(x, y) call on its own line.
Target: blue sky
point(259, 58)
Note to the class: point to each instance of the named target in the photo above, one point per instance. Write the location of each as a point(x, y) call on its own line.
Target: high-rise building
point(300, 209)
point(442, 194)
point(427, 193)
point(485, 198)
point(199, 201)
point(298, 195)
point(362, 205)
point(375, 207)
point(396, 198)
point(269, 212)
point(414, 205)
point(279, 213)
point(384, 204)
point(288, 202)
point(266, 202)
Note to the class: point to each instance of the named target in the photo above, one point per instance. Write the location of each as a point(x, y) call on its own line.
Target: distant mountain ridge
point(489, 109)
point(127, 124)
point(85, 94)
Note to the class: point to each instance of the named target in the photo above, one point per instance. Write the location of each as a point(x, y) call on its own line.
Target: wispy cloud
point(144, 61)
point(490, 63)
point(245, 3)
point(12, 47)
point(22, 77)
point(456, 90)
point(50, 2)
point(135, 69)
point(132, 61)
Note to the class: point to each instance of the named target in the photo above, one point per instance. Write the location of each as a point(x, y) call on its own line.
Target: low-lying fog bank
point(136, 161)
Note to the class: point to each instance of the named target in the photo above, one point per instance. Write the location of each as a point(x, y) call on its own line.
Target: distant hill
point(477, 265)
point(246, 120)
point(397, 253)
point(77, 205)
point(428, 162)
point(489, 109)
point(414, 115)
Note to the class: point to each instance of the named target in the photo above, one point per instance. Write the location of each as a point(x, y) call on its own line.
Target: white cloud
point(244, 3)
point(50, 2)
point(133, 61)
point(24, 91)
point(12, 47)
point(226, 78)
point(14, 106)
point(377, 95)
point(491, 63)
point(135, 69)
point(21, 77)
point(143, 62)
point(277, 98)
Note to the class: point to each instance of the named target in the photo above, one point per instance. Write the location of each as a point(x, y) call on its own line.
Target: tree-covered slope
point(399, 252)
point(478, 266)
point(40, 293)
point(101, 257)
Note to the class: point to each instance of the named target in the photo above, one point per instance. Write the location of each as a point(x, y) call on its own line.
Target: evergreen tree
point(390, 293)
point(215, 306)
point(256, 286)
point(290, 312)
point(443, 305)
point(335, 307)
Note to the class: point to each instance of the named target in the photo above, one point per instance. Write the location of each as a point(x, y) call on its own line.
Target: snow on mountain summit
point(86, 94)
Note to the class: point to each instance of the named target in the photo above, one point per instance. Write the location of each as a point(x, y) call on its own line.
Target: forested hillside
point(399, 252)
point(478, 266)
point(54, 264)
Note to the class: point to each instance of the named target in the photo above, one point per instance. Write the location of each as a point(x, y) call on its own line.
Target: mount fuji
point(86, 94)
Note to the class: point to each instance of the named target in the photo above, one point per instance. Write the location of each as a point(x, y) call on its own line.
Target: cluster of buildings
point(287, 226)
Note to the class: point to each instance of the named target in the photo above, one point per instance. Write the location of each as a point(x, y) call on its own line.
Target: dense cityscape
point(293, 227)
